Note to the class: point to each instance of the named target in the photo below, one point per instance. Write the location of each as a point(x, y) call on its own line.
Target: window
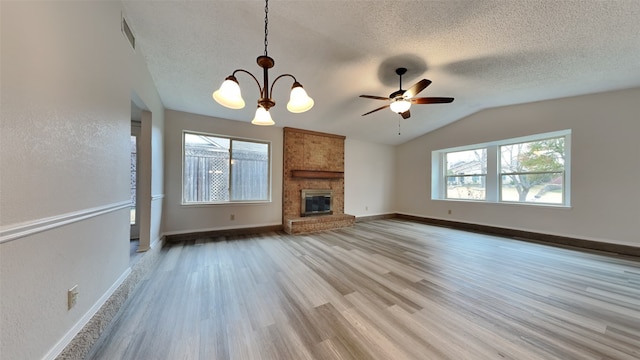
point(218, 169)
point(466, 174)
point(532, 170)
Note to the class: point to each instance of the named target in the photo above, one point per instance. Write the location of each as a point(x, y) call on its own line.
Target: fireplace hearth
point(315, 202)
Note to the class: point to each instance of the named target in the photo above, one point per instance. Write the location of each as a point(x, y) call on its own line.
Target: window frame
point(494, 176)
point(231, 140)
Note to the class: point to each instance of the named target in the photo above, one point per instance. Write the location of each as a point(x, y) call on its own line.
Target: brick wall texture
point(307, 150)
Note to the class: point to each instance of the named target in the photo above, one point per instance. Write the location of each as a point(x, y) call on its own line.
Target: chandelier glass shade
point(299, 101)
point(262, 117)
point(229, 94)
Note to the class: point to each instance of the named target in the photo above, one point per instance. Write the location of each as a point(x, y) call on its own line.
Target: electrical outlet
point(232, 217)
point(449, 211)
point(72, 296)
point(366, 208)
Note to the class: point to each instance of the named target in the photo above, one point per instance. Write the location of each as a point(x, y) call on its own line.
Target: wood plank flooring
point(384, 289)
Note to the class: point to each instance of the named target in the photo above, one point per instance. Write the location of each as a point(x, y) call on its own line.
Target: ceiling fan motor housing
point(397, 94)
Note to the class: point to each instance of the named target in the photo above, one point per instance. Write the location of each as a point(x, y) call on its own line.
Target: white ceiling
point(482, 53)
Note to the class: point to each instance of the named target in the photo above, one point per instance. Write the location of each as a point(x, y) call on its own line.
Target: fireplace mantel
point(317, 174)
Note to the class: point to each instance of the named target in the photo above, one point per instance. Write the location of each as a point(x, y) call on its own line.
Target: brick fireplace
point(314, 162)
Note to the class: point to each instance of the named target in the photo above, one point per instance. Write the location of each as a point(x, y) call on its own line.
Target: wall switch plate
point(72, 296)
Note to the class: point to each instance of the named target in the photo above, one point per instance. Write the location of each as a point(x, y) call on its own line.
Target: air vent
point(127, 32)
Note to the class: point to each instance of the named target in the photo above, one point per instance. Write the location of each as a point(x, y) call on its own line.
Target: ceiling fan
point(401, 100)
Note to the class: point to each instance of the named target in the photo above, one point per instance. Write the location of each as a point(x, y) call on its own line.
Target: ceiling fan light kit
point(400, 101)
point(229, 94)
point(400, 105)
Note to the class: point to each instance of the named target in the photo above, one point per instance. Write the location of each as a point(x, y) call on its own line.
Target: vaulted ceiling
point(482, 53)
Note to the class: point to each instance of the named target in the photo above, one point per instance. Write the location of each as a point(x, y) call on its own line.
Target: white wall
point(68, 75)
point(604, 171)
point(196, 218)
point(369, 178)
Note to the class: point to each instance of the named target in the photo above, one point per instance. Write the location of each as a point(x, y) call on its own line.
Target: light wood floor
point(385, 289)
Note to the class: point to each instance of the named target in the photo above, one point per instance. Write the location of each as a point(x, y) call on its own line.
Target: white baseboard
point(68, 337)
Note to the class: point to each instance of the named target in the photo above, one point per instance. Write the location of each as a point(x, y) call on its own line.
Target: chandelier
point(229, 95)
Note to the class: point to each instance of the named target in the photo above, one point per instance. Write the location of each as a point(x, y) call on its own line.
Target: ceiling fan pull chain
point(398, 126)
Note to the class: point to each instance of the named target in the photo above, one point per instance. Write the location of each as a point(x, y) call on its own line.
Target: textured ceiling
point(482, 53)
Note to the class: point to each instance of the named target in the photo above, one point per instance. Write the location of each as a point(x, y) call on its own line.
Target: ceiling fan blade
point(374, 97)
point(380, 108)
point(431, 100)
point(406, 114)
point(415, 89)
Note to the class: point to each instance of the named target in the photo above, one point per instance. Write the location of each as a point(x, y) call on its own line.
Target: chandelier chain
point(266, 22)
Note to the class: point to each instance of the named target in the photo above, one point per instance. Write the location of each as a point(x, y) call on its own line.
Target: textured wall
point(369, 178)
point(68, 75)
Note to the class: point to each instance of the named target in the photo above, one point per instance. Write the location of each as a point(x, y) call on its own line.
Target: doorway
point(140, 215)
point(134, 218)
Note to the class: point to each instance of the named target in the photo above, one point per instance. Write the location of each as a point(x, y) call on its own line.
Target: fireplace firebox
point(316, 202)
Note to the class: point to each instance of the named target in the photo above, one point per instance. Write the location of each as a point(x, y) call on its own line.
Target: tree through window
point(533, 171)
